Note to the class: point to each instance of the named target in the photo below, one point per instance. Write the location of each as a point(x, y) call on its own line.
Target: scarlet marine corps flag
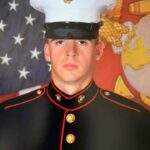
point(22, 64)
point(125, 69)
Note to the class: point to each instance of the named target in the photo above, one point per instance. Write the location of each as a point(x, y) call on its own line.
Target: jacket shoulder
point(121, 101)
point(23, 99)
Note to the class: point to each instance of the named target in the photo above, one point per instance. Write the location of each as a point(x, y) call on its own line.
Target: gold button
point(81, 98)
point(70, 138)
point(70, 118)
point(58, 97)
point(107, 93)
point(39, 92)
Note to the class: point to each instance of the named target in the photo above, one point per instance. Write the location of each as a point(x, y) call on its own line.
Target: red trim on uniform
point(24, 102)
point(64, 119)
point(123, 105)
point(62, 131)
point(73, 109)
point(70, 97)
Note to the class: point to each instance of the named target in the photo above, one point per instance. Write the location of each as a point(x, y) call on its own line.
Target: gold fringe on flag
point(140, 7)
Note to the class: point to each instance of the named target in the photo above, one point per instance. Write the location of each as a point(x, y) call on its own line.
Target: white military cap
point(72, 19)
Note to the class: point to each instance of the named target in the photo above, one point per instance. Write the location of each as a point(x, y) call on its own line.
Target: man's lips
point(70, 66)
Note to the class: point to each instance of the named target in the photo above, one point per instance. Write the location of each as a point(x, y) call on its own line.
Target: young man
point(72, 113)
point(72, 62)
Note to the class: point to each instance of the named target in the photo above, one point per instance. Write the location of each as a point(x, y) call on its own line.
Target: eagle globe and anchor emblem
point(68, 1)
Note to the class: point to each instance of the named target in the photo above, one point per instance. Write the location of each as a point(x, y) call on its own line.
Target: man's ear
point(99, 50)
point(47, 52)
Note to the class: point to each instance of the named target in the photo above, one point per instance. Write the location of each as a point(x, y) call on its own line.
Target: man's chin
point(70, 80)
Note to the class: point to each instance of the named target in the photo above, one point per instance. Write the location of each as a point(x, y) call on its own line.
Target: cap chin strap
point(72, 30)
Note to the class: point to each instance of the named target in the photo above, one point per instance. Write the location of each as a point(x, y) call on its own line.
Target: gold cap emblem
point(68, 1)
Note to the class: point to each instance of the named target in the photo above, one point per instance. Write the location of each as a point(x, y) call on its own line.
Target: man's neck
point(71, 88)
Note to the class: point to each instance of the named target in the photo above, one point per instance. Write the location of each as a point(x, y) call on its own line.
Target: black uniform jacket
point(92, 119)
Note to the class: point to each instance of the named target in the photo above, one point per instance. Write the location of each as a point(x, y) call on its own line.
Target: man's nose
point(71, 49)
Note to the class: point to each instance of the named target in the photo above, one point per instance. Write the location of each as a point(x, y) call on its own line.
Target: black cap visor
point(72, 30)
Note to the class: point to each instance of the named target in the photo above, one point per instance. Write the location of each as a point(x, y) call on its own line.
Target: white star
point(29, 20)
point(35, 53)
point(5, 59)
point(2, 25)
point(13, 5)
point(18, 39)
point(50, 67)
point(23, 73)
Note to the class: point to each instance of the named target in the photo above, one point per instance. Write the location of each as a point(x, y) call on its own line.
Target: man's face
point(72, 60)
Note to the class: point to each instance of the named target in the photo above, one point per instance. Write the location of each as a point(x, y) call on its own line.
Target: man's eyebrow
point(51, 40)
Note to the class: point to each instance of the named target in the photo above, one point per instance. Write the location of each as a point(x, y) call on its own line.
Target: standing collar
point(75, 101)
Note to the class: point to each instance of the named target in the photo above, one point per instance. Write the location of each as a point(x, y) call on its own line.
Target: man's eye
point(83, 42)
point(59, 42)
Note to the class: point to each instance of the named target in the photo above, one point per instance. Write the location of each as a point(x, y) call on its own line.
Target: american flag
point(22, 63)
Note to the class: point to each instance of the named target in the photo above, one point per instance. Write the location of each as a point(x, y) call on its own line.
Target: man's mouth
point(70, 67)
